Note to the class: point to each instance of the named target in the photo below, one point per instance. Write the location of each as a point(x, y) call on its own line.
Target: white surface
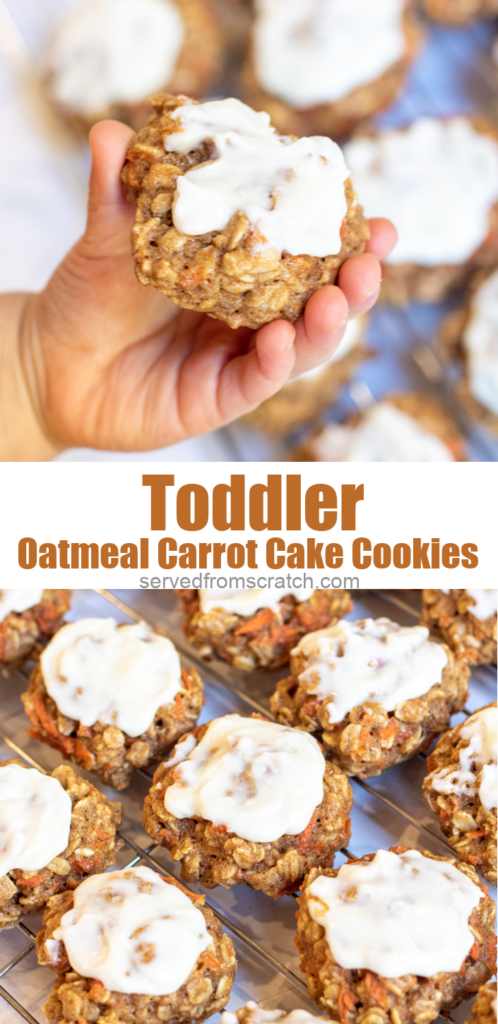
point(35, 818)
point(133, 932)
point(480, 341)
point(247, 602)
point(316, 51)
point(399, 914)
point(259, 779)
point(436, 180)
point(384, 434)
point(18, 601)
point(477, 761)
point(376, 660)
point(97, 672)
point(291, 192)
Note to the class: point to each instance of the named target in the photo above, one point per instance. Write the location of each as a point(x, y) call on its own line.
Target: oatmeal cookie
point(461, 789)
point(253, 1013)
point(140, 46)
point(405, 427)
point(213, 853)
point(142, 733)
point(25, 630)
point(262, 635)
point(296, 79)
point(460, 12)
point(418, 176)
point(464, 619)
point(484, 1008)
point(189, 947)
point(90, 831)
point(338, 672)
point(386, 992)
point(200, 174)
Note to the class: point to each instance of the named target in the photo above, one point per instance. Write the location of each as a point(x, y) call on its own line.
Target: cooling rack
point(388, 810)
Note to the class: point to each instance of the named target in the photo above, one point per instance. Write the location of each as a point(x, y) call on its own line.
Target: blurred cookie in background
point(460, 12)
point(405, 427)
point(108, 56)
point(307, 396)
point(324, 66)
point(437, 180)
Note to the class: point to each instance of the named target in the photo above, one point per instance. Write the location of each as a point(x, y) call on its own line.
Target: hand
point(101, 361)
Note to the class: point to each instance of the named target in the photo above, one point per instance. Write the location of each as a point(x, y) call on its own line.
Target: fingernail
point(371, 294)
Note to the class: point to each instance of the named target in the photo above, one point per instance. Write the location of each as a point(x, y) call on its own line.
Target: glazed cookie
point(461, 789)
point(460, 12)
point(233, 219)
point(251, 1013)
point(401, 428)
point(373, 691)
point(464, 619)
point(243, 801)
point(258, 628)
point(28, 618)
point(438, 182)
point(306, 397)
point(471, 334)
point(55, 830)
point(322, 68)
point(108, 56)
point(112, 697)
point(398, 935)
point(484, 1008)
point(133, 947)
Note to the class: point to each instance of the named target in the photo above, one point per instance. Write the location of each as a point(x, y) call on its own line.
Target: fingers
point(321, 328)
point(360, 279)
point(249, 379)
point(383, 237)
point(108, 211)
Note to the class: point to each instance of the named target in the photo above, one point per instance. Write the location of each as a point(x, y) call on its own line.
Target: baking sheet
point(388, 810)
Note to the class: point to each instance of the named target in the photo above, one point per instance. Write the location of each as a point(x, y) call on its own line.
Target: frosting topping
point(114, 51)
point(478, 761)
point(371, 660)
point(257, 1015)
point(132, 931)
point(18, 601)
point(384, 434)
point(97, 671)
point(259, 779)
point(248, 602)
point(419, 178)
point(309, 52)
point(399, 914)
point(486, 602)
point(480, 341)
point(291, 192)
point(35, 818)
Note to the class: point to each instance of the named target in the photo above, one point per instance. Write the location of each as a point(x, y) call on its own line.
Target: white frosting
point(292, 192)
point(97, 672)
point(399, 914)
point(485, 603)
point(114, 51)
point(316, 51)
point(248, 602)
point(259, 779)
point(479, 755)
point(35, 818)
point(436, 181)
point(183, 748)
point(375, 660)
point(257, 1015)
point(350, 340)
point(133, 931)
point(18, 601)
point(480, 341)
point(384, 434)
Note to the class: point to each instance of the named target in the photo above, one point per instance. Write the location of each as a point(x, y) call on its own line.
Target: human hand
point(104, 362)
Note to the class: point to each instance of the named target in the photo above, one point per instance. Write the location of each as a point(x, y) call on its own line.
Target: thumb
point(109, 216)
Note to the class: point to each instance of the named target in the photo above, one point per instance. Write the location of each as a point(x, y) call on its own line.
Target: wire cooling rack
point(388, 810)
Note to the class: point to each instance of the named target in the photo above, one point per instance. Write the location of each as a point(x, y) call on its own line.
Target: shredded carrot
point(376, 990)
point(398, 849)
point(220, 829)
point(45, 719)
point(178, 708)
point(305, 836)
point(191, 895)
point(102, 835)
point(386, 731)
point(84, 754)
point(346, 1002)
point(257, 621)
point(210, 961)
point(475, 952)
point(476, 833)
point(96, 991)
point(473, 860)
point(187, 682)
point(32, 880)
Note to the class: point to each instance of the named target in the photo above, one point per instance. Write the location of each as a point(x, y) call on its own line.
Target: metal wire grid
point(391, 603)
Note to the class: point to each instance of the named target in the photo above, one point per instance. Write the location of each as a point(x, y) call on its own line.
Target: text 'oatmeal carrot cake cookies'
point(55, 830)
point(459, 12)
point(251, 1013)
point(28, 618)
point(438, 182)
point(461, 789)
point(108, 56)
point(464, 619)
point(258, 628)
point(243, 801)
point(396, 936)
point(233, 219)
point(112, 697)
point(401, 428)
point(130, 946)
point(375, 692)
point(323, 67)
point(484, 1009)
